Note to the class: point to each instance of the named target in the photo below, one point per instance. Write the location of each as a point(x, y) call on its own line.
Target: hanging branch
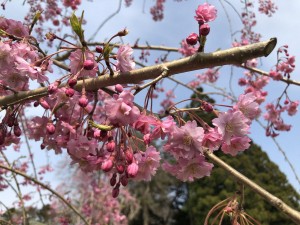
point(273, 200)
point(45, 187)
point(232, 56)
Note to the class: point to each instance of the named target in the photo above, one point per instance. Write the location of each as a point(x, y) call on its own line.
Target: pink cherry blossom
point(121, 111)
point(77, 63)
point(186, 49)
point(188, 170)
point(231, 123)
point(248, 106)
point(212, 139)
point(236, 145)
point(125, 62)
point(293, 108)
point(205, 13)
point(148, 163)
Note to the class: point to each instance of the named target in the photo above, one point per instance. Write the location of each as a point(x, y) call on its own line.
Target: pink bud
point(119, 88)
point(50, 128)
point(192, 39)
point(88, 64)
point(120, 168)
point(128, 155)
point(72, 82)
point(107, 165)
point(132, 169)
point(110, 146)
point(44, 104)
point(69, 92)
point(83, 101)
point(207, 107)
point(99, 49)
point(204, 29)
point(17, 131)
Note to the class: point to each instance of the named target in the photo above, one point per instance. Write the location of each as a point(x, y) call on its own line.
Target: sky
point(177, 24)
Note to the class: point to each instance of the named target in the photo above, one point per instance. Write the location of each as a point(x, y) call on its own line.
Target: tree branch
point(273, 200)
point(232, 56)
point(46, 187)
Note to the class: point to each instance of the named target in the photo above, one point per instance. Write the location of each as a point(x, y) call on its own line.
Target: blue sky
point(178, 23)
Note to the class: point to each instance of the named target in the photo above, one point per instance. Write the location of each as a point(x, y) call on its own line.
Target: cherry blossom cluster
point(205, 13)
point(285, 65)
point(96, 202)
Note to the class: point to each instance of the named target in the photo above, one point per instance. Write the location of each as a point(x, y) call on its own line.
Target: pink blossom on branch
point(205, 13)
point(148, 162)
point(124, 57)
point(189, 170)
point(231, 123)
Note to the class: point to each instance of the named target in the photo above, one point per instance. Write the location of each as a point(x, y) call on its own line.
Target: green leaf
point(76, 25)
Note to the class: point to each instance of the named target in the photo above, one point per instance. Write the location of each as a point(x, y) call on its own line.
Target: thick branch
point(273, 200)
point(232, 56)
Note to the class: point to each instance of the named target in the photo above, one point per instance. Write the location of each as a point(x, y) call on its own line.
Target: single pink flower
point(188, 170)
point(148, 163)
point(231, 123)
point(125, 62)
point(205, 13)
point(236, 145)
point(248, 106)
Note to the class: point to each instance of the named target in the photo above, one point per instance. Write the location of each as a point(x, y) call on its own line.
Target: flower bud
point(44, 104)
point(115, 192)
point(83, 101)
point(17, 131)
point(88, 64)
point(207, 107)
point(43, 146)
point(99, 49)
point(69, 92)
point(107, 165)
point(119, 88)
point(192, 39)
point(72, 82)
point(110, 146)
point(128, 155)
point(113, 180)
point(124, 181)
point(120, 168)
point(50, 128)
point(132, 169)
point(123, 32)
point(204, 29)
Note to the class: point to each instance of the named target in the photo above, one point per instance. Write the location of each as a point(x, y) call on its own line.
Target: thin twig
point(282, 152)
point(47, 188)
